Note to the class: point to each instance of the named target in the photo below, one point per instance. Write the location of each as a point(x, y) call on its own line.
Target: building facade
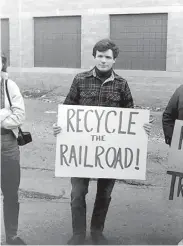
point(48, 42)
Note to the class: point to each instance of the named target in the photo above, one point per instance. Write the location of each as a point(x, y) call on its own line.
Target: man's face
point(104, 60)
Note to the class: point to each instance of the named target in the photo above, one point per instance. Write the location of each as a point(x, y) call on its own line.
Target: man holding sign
point(173, 131)
point(99, 87)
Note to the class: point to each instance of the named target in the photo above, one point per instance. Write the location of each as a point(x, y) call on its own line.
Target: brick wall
point(27, 42)
point(94, 28)
point(15, 42)
point(50, 5)
point(175, 42)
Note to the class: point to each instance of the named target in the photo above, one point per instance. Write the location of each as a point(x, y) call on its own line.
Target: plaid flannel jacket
point(87, 89)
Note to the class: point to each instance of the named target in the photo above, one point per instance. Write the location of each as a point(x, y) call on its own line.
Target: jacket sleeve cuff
point(168, 140)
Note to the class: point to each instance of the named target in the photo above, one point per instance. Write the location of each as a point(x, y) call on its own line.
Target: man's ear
point(114, 60)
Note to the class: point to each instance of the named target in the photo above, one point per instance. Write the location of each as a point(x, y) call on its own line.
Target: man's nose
point(103, 60)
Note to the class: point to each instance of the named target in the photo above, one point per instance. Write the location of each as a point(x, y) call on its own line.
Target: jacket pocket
point(88, 97)
point(114, 96)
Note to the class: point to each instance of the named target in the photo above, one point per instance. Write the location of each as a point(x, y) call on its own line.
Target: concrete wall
point(175, 42)
point(148, 87)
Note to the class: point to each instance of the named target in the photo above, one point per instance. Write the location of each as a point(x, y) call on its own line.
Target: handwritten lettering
point(110, 157)
point(172, 185)
point(98, 138)
point(181, 139)
point(78, 121)
point(130, 123)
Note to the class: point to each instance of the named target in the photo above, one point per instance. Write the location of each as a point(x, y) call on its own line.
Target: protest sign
point(175, 159)
point(101, 142)
point(174, 178)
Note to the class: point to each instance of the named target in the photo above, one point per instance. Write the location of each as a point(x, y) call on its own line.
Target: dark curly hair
point(4, 63)
point(104, 45)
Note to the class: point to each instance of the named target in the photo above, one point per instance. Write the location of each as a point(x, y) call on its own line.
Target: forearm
point(168, 126)
point(180, 116)
point(14, 120)
point(168, 119)
point(17, 109)
point(4, 113)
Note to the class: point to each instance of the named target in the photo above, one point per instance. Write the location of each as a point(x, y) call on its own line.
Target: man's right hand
point(56, 129)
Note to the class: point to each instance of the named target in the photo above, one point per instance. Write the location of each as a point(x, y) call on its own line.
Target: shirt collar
point(92, 73)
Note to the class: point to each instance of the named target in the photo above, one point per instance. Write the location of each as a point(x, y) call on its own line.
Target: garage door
point(142, 39)
point(57, 42)
point(5, 38)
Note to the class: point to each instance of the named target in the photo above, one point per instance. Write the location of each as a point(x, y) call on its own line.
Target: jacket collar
point(92, 73)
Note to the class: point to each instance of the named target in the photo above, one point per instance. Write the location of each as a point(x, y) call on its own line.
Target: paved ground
point(140, 212)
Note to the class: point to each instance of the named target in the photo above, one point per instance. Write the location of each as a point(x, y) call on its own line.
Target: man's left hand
point(147, 128)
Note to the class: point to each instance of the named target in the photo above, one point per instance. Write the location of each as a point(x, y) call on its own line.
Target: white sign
point(174, 177)
point(175, 159)
point(101, 142)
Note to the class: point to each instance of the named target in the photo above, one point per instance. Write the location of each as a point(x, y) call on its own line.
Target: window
point(57, 42)
point(142, 40)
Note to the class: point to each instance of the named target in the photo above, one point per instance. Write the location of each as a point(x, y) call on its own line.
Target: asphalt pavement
point(140, 212)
